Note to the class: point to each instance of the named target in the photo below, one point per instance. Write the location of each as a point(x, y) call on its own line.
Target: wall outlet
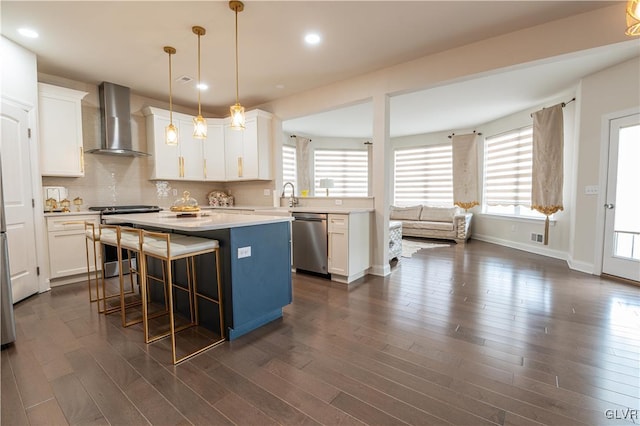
point(244, 252)
point(338, 202)
point(175, 192)
point(266, 192)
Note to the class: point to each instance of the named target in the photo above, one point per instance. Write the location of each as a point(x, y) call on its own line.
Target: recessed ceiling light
point(28, 32)
point(279, 86)
point(202, 86)
point(312, 38)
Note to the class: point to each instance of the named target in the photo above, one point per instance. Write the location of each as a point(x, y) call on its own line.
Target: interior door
point(621, 255)
point(18, 196)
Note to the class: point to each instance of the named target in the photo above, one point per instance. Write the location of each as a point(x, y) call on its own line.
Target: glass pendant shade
point(237, 110)
point(633, 18)
point(199, 123)
point(171, 134)
point(237, 117)
point(171, 131)
point(199, 127)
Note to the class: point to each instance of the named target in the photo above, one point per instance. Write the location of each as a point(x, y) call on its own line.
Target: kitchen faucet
point(293, 201)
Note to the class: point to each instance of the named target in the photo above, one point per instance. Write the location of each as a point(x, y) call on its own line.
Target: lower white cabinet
point(349, 236)
point(66, 241)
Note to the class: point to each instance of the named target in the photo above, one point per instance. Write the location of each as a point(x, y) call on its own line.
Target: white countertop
point(71, 213)
point(280, 210)
point(206, 221)
point(336, 210)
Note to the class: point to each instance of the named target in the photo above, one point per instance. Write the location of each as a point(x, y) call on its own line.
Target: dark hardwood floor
point(471, 335)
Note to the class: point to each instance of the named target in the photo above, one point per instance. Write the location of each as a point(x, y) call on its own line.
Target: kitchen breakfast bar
point(255, 261)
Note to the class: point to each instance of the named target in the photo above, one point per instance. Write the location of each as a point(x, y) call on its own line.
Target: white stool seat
point(108, 236)
point(179, 245)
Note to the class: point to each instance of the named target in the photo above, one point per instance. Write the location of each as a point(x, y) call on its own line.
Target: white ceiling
point(122, 42)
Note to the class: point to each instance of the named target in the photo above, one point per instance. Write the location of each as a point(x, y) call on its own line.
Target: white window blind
point(349, 170)
point(507, 168)
point(289, 165)
point(423, 176)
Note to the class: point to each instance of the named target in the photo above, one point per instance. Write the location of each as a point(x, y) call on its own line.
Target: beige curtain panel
point(547, 172)
point(465, 170)
point(302, 166)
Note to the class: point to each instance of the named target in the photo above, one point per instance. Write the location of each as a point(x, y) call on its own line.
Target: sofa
point(449, 223)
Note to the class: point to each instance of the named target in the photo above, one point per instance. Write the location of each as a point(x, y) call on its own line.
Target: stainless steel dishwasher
point(310, 242)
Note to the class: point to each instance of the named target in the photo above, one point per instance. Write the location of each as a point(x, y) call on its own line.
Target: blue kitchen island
point(255, 259)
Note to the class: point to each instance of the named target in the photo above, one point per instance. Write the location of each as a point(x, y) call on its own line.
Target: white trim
point(586, 267)
point(556, 254)
point(605, 130)
point(522, 219)
point(380, 270)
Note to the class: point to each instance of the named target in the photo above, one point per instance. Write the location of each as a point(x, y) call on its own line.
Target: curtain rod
point(453, 134)
point(564, 104)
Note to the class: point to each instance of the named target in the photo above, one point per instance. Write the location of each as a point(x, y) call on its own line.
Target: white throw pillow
point(405, 213)
point(438, 214)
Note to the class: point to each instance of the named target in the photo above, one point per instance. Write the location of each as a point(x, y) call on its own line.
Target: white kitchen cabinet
point(67, 250)
point(214, 152)
point(348, 246)
point(60, 130)
point(248, 151)
point(192, 159)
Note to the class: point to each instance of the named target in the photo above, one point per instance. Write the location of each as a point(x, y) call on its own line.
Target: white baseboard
point(556, 254)
point(541, 250)
point(576, 265)
point(380, 270)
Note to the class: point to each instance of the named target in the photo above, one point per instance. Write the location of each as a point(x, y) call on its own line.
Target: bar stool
point(110, 236)
point(168, 248)
point(93, 236)
point(130, 241)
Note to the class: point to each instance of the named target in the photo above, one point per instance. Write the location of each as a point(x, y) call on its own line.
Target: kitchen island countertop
point(204, 221)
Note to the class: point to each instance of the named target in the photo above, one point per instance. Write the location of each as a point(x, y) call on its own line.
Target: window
point(423, 176)
point(289, 163)
point(349, 170)
point(507, 173)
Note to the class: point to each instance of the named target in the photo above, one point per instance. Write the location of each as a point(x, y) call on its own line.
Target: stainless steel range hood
point(115, 117)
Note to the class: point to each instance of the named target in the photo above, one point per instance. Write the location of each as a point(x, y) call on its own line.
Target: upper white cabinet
point(60, 127)
point(225, 155)
point(248, 151)
point(192, 159)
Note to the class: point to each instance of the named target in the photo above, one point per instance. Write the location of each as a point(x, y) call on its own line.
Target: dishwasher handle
point(314, 217)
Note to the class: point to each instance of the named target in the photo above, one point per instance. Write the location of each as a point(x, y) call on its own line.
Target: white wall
point(603, 93)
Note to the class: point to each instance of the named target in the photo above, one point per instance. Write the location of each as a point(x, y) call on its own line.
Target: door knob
point(609, 206)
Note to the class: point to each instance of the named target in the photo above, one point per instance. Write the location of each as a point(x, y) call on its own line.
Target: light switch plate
point(338, 202)
point(591, 190)
point(266, 192)
point(244, 252)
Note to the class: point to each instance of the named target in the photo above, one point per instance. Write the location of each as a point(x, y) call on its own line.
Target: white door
point(18, 199)
point(621, 255)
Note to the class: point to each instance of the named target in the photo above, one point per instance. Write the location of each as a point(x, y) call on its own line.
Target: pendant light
point(237, 110)
point(171, 131)
point(199, 123)
point(633, 18)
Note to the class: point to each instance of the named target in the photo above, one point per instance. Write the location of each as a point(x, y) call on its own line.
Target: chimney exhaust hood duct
point(115, 118)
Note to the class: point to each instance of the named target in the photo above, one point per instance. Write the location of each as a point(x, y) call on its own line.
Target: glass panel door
point(621, 255)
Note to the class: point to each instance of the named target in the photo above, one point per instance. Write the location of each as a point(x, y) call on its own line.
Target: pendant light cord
point(236, 10)
point(170, 93)
point(199, 85)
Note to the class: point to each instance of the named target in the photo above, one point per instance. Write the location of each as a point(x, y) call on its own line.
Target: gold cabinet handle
point(204, 170)
point(81, 160)
point(239, 166)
